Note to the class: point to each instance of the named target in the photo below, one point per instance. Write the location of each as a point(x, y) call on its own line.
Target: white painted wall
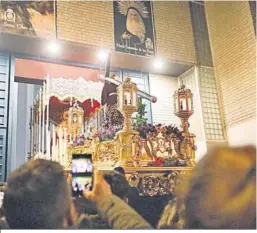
point(163, 87)
point(242, 133)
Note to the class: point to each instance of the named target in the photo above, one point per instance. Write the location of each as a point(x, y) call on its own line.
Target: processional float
point(152, 163)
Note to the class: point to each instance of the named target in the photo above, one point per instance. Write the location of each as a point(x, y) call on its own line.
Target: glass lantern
point(183, 102)
point(127, 96)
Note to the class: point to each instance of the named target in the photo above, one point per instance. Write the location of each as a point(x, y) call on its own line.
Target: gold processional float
point(152, 162)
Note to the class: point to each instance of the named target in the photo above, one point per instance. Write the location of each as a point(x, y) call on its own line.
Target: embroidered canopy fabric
point(60, 92)
point(79, 88)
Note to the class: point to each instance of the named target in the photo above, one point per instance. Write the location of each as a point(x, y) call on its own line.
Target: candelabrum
point(183, 108)
point(127, 105)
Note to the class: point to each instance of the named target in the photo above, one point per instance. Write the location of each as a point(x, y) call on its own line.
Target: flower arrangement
point(152, 130)
point(167, 162)
point(79, 141)
point(108, 133)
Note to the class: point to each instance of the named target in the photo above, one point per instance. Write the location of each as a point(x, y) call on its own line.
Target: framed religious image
point(133, 27)
point(31, 18)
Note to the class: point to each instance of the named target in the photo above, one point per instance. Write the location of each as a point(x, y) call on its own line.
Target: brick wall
point(174, 34)
point(91, 22)
point(234, 55)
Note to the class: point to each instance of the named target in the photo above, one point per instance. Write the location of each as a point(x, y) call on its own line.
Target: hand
point(101, 189)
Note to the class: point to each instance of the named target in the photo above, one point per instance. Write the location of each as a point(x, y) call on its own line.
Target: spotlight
point(102, 55)
point(53, 47)
point(158, 64)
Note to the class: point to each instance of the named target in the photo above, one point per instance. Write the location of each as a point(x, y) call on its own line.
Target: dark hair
point(37, 196)
point(119, 184)
point(120, 170)
point(222, 190)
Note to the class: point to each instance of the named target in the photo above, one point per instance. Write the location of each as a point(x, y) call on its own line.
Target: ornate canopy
point(59, 94)
point(80, 89)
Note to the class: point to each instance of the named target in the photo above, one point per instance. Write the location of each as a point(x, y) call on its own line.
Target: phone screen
point(82, 171)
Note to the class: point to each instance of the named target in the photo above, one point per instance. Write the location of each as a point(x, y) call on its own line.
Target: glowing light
point(158, 64)
point(54, 47)
point(102, 55)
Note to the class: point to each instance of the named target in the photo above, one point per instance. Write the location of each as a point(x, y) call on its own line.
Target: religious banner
point(133, 27)
point(32, 18)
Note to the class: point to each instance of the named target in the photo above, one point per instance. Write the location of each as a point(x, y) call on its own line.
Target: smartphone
point(82, 173)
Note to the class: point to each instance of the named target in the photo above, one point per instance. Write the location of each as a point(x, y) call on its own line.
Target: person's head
point(119, 184)
point(120, 170)
point(222, 190)
point(38, 196)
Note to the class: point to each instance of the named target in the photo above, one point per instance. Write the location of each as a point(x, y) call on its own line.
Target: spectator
point(3, 222)
point(38, 197)
point(119, 184)
point(222, 192)
point(111, 209)
point(120, 170)
point(133, 196)
point(120, 188)
point(173, 216)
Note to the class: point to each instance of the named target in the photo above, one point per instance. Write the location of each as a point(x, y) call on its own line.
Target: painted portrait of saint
point(134, 27)
point(33, 18)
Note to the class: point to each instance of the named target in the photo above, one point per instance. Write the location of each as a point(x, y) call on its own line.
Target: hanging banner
point(32, 18)
point(133, 27)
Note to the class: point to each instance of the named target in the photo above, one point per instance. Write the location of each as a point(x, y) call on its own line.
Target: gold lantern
point(127, 105)
point(127, 101)
point(183, 108)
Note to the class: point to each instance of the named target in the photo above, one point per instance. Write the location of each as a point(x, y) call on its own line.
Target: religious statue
point(112, 116)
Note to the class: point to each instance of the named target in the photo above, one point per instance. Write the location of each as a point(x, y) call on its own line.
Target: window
point(210, 104)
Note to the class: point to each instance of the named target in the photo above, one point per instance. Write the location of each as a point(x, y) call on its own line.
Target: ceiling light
point(102, 55)
point(158, 64)
point(54, 47)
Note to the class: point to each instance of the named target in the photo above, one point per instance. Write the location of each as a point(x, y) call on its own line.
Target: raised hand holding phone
point(82, 171)
point(101, 189)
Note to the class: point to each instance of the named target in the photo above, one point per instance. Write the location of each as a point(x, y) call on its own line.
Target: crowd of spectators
point(219, 194)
